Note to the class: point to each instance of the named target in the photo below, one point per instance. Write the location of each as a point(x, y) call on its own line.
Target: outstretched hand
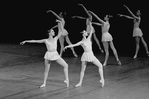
point(65, 48)
point(22, 43)
point(120, 15)
point(49, 11)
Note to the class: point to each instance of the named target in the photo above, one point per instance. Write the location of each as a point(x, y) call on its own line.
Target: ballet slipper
point(43, 85)
point(67, 82)
point(119, 62)
point(102, 82)
point(104, 64)
point(78, 85)
point(75, 54)
point(135, 57)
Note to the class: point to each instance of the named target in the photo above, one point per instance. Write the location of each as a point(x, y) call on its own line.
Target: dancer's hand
point(22, 43)
point(120, 15)
point(65, 48)
point(49, 11)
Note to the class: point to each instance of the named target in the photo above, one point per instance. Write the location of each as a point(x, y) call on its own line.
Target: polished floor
point(22, 68)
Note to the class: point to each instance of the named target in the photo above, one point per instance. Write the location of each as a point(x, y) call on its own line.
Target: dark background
point(21, 20)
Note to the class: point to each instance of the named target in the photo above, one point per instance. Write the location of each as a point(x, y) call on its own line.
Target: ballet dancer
point(137, 33)
point(51, 54)
point(88, 26)
point(64, 36)
point(88, 56)
point(107, 38)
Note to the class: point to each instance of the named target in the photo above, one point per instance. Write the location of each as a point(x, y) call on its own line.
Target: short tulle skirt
point(64, 32)
point(106, 37)
point(88, 56)
point(137, 32)
point(51, 55)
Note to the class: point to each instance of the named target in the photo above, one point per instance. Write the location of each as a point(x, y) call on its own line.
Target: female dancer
point(137, 33)
point(87, 56)
point(107, 38)
point(64, 36)
point(88, 26)
point(51, 55)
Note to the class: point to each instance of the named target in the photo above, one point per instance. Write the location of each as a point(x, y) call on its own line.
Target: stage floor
point(22, 69)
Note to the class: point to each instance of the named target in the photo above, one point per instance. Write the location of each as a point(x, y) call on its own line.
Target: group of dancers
point(86, 43)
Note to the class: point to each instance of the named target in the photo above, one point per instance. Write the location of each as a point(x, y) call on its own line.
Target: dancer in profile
point(51, 54)
point(88, 56)
point(107, 39)
point(88, 26)
point(64, 36)
point(137, 33)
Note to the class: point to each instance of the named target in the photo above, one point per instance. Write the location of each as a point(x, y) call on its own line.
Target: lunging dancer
point(64, 36)
point(88, 26)
point(87, 56)
point(51, 54)
point(137, 33)
point(107, 38)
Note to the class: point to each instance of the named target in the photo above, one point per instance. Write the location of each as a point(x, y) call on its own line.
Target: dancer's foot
point(101, 51)
point(43, 85)
point(102, 82)
point(67, 82)
point(75, 54)
point(104, 64)
point(147, 53)
point(119, 62)
point(78, 85)
point(135, 57)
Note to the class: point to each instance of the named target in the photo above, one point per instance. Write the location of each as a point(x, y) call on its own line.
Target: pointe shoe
point(119, 62)
point(104, 64)
point(43, 85)
point(135, 57)
point(78, 85)
point(75, 54)
point(67, 83)
point(102, 82)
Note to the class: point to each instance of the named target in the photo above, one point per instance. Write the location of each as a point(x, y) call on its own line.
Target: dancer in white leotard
point(107, 38)
point(88, 56)
point(51, 55)
point(137, 33)
point(64, 36)
point(89, 26)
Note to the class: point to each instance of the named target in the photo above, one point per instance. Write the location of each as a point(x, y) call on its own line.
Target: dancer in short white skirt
point(88, 56)
point(51, 55)
point(64, 36)
point(137, 32)
point(107, 38)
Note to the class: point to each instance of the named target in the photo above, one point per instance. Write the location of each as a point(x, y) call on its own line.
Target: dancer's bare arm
point(54, 14)
point(97, 23)
point(32, 41)
point(129, 17)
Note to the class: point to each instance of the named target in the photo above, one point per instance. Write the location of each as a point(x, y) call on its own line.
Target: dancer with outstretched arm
point(51, 55)
point(64, 36)
point(137, 32)
point(107, 38)
point(88, 56)
point(88, 26)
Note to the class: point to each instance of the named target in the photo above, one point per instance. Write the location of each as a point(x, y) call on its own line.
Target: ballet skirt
point(64, 32)
point(51, 55)
point(88, 56)
point(137, 32)
point(106, 37)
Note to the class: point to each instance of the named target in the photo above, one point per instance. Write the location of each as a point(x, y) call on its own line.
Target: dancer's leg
point(97, 41)
point(82, 73)
point(61, 41)
point(106, 48)
point(115, 52)
point(137, 39)
point(65, 65)
point(145, 45)
point(68, 41)
point(100, 70)
point(47, 68)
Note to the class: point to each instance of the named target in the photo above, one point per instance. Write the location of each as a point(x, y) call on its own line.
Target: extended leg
point(47, 68)
point(61, 40)
point(145, 46)
point(82, 73)
point(106, 48)
point(115, 52)
point(65, 65)
point(137, 46)
point(100, 70)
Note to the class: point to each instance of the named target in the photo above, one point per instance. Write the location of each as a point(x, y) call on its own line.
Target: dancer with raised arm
point(88, 56)
point(64, 36)
point(88, 26)
point(107, 38)
point(51, 54)
point(137, 33)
